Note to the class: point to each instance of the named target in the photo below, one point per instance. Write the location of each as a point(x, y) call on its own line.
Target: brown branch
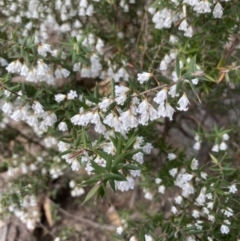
point(84, 220)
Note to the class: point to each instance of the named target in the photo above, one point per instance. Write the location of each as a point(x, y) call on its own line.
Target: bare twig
point(85, 221)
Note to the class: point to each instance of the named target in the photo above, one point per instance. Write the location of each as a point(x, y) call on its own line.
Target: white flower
point(184, 25)
point(182, 178)
point(32, 75)
point(148, 237)
point(163, 65)
point(121, 99)
point(218, 11)
point(210, 197)
point(24, 70)
point(209, 204)
point(195, 214)
point(194, 164)
point(224, 228)
point(138, 157)
point(7, 108)
point(195, 81)
point(190, 238)
point(7, 93)
point(147, 148)
point(138, 142)
point(223, 146)
point(205, 210)
point(32, 120)
point(77, 191)
point(215, 148)
point(89, 10)
point(133, 238)
point(14, 67)
point(148, 195)
point(174, 210)
point(161, 189)
point(99, 46)
point(62, 146)
point(43, 49)
point(109, 148)
point(183, 103)
point(172, 91)
point(62, 126)
point(77, 67)
point(198, 224)
point(211, 218)
point(203, 175)
point(38, 108)
point(161, 96)
point(128, 120)
point(225, 137)
point(178, 199)
point(83, 4)
point(119, 230)
point(121, 90)
point(173, 172)
point(202, 7)
point(143, 77)
point(3, 62)
point(103, 105)
point(125, 185)
point(158, 180)
point(61, 72)
point(147, 112)
point(228, 212)
point(200, 200)
point(143, 107)
point(72, 184)
point(60, 97)
point(72, 94)
point(166, 110)
point(50, 119)
point(232, 188)
point(191, 2)
point(171, 156)
point(189, 32)
point(197, 146)
point(135, 173)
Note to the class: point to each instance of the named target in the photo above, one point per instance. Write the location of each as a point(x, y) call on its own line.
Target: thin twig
point(150, 90)
point(84, 220)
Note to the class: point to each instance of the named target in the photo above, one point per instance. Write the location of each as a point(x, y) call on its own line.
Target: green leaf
point(65, 152)
point(91, 193)
point(164, 79)
point(194, 90)
point(98, 168)
point(131, 167)
point(92, 180)
point(214, 159)
point(102, 154)
point(96, 91)
point(210, 78)
point(177, 67)
point(119, 144)
point(114, 176)
point(131, 153)
point(131, 141)
point(118, 159)
point(192, 65)
point(113, 87)
point(112, 184)
point(179, 84)
point(84, 139)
